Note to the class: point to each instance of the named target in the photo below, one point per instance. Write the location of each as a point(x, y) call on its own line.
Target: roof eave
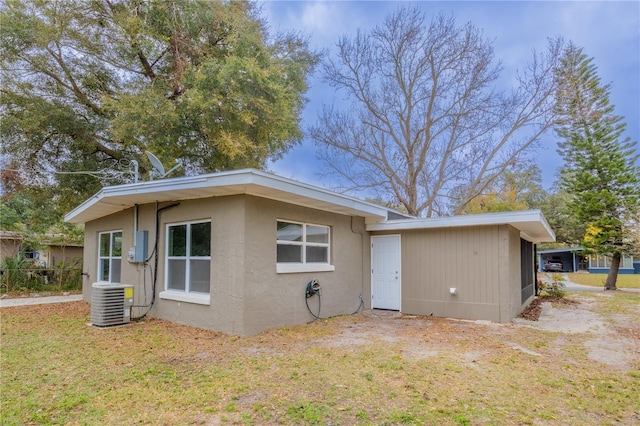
point(246, 181)
point(531, 224)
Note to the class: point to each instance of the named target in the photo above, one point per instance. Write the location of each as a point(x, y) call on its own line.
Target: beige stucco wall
point(247, 295)
point(274, 299)
point(480, 262)
point(120, 221)
point(227, 282)
point(70, 254)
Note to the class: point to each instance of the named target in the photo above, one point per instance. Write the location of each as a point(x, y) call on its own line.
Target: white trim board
point(247, 181)
point(531, 223)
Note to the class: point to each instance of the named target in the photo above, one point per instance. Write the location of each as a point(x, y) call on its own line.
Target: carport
point(572, 260)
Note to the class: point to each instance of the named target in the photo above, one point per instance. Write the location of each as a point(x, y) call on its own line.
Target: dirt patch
point(613, 340)
point(615, 350)
point(573, 319)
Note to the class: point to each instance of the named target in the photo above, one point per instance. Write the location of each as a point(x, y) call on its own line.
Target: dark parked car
point(553, 265)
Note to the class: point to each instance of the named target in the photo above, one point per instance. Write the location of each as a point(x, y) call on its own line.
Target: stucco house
point(49, 252)
point(235, 252)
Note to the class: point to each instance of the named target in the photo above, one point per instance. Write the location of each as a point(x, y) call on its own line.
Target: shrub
point(555, 289)
point(14, 273)
point(21, 274)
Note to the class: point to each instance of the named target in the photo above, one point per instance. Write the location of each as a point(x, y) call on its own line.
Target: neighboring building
point(574, 261)
point(571, 259)
point(10, 244)
point(237, 250)
point(47, 254)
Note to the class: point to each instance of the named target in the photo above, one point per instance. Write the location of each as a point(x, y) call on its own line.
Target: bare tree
point(427, 126)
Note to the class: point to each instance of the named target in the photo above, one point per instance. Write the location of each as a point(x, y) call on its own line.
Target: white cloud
point(318, 17)
point(322, 21)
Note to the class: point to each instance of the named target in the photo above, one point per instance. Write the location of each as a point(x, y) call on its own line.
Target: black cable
point(144, 286)
point(154, 271)
point(306, 301)
point(359, 306)
point(362, 272)
point(317, 317)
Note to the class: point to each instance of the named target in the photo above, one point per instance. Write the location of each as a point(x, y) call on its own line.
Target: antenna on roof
point(158, 168)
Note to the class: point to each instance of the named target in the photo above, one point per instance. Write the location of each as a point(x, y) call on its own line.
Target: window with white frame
point(109, 256)
point(302, 247)
point(188, 265)
point(600, 261)
point(627, 262)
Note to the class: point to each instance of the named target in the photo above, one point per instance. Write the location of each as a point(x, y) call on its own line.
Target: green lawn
point(597, 280)
point(350, 370)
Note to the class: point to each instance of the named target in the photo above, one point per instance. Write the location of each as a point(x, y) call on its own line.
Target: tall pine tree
point(600, 172)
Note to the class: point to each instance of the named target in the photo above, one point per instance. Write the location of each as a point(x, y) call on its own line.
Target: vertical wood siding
point(477, 261)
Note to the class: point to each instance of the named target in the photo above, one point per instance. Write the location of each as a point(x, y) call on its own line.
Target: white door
point(385, 272)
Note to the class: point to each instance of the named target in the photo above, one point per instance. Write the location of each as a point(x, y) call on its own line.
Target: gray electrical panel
point(142, 247)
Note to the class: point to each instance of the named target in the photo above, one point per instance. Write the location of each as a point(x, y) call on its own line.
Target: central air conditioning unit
point(111, 304)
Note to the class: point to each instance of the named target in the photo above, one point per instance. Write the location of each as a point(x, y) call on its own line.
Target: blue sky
point(608, 31)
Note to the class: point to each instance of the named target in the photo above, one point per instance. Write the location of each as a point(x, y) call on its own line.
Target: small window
point(109, 256)
point(302, 247)
point(189, 257)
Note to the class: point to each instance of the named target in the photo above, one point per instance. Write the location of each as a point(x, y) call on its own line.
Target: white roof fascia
point(109, 195)
point(531, 223)
point(247, 181)
point(560, 250)
point(369, 210)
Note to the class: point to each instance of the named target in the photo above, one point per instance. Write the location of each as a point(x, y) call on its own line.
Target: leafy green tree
point(13, 212)
point(600, 172)
point(92, 85)
point(513, 190)
point(27, 211)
